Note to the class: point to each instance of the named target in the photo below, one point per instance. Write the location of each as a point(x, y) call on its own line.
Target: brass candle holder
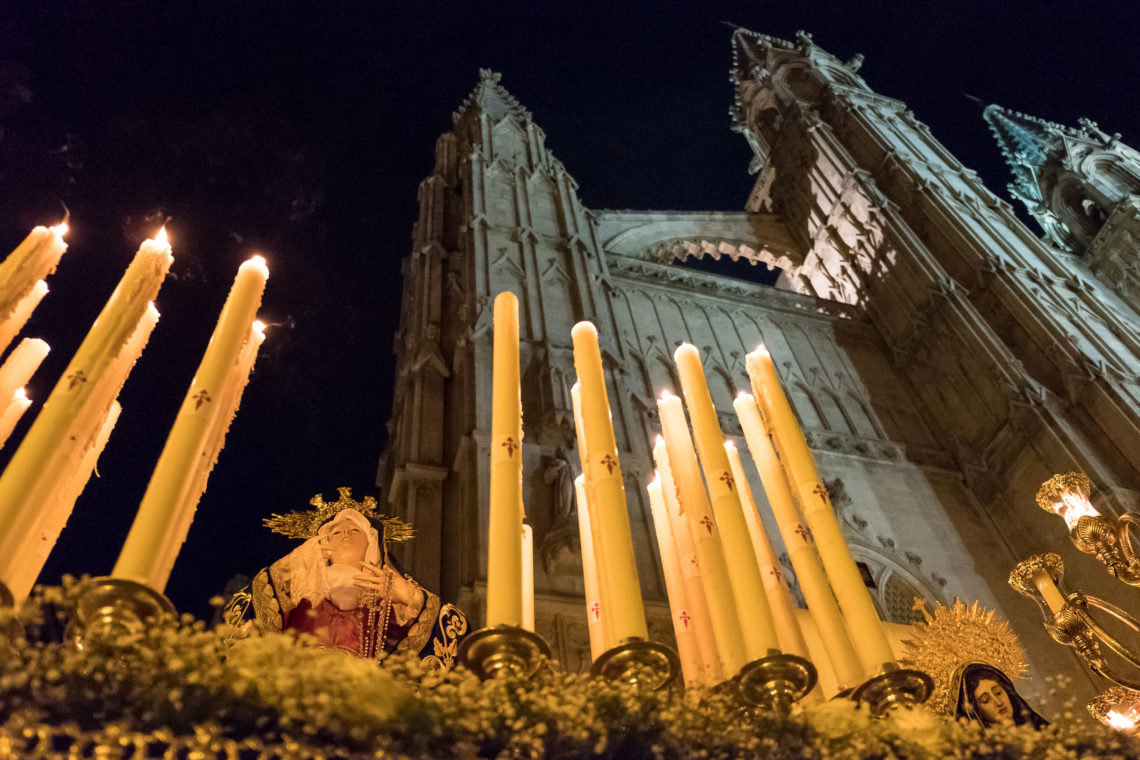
point(775, 683)
point(107, 608)
point(635, 661)
point(894, 688)
point(1072, 624)
point(503, 649)
point(1108, 539)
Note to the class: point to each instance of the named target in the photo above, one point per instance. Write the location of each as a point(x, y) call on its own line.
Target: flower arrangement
point(179, 690)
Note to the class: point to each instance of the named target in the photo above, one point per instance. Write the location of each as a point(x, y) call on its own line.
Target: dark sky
point(301, 130)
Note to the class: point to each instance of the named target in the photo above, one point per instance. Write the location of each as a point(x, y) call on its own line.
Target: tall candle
point(12, 412)
point(859, 610)
point(81, 395)
point(21, 313)
point(527, 578)
point(799, 545)
point(756, 621)
point(1049, 590)
point(597, 613)
point(225, 409)
point(21, 364)
point(687, 649)
point(606, 492)
point(594, 611)
point(780, 599)
point(694, 505)
point(712, 671)
point(150, 541)
point(504, 541)
point(33, 260)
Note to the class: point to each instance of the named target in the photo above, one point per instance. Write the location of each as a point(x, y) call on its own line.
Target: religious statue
point(341, 587)
point(987, 696)
point(559, 475)
point(973, 657)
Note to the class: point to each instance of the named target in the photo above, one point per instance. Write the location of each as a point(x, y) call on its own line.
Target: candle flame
point(656, 479)
point(161, 238)
point(60, 229)
point(760, 348)
point(659, 442)
point(258, 326)
point(1119, 722)
point(666, 394)
point(21, 393)
point(730, 445)
point(744, 394)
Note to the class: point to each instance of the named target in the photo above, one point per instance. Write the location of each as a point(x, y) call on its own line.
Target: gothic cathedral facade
point(943, 359)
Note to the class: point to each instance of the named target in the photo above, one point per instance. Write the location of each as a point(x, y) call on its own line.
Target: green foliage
point(180, 689)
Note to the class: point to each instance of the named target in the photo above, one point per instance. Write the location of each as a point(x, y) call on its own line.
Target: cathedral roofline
point(490, 97)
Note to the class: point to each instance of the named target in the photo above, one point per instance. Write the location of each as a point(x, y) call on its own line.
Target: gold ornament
point(954, 636)
point(304, 525)
point(1050, 491)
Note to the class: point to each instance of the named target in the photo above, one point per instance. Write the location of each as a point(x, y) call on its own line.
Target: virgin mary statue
point(341, 587)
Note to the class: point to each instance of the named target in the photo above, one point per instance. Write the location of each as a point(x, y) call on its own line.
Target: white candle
point(594, 613)
point(21, 364)
point(527, 578)
point(21, 313)
point(687, 649)
point(22, 274)
point(13, 411)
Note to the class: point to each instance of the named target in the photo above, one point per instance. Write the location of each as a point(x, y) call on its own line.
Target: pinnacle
point(492, 98)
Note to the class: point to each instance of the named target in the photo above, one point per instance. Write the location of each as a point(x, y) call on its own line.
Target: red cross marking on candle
point(201, 397)
point(684, 617)
point(610, 463)
point(693, 561)
point(775, 573)
point(597, 610)
point(511, 445)
point(708, 523)
point(75, 378)
point(727, 479)
point(803, 532)
point(820, 490)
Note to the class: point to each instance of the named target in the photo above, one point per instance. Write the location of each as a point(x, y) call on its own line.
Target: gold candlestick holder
point(1107, 538)
point(107, 608)
point(1073, 624)
point(894, 688)
point(645, 664)
point(1118, 708)
point(775, 683)
point(504, 649)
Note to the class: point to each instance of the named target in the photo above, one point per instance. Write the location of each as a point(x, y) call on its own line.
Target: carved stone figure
point(559, 475)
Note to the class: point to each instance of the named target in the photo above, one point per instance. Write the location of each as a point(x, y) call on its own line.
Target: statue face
point(347, 543)
point(992, 702)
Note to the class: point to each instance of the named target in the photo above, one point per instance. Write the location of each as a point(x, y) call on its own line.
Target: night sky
point(301, 130)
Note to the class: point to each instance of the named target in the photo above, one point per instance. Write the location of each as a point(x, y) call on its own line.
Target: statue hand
point(380, 579)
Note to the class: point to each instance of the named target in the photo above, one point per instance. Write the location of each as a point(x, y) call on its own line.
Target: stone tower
point(942, 359)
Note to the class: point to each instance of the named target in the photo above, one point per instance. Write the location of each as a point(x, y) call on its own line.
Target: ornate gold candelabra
point(111, 607)
point(641, 663)
point(1106, 538)
point(894, 688)
point(1069, 621)
point(503, 649)
point(775, 683)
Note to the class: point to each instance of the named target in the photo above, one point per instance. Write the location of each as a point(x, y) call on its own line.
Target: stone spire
point(1025, 142)
point(492, 98)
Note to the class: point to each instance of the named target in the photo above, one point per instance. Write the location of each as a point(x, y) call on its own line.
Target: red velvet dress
point(346, 630)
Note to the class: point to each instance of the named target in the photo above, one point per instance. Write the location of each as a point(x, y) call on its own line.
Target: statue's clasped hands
point(381, 578)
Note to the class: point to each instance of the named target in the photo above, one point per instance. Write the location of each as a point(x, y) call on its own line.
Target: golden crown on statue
point(305, 524)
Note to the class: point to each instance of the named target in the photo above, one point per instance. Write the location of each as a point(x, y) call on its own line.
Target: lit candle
point(606, 492)
point(33, 260)
point(12, 413)
point(780, 599)
point(527, 578)
point(691, 666)
point(589, 572)
point(504, 541)
point(597, 615)
point(712, 672)
point(694, 505)
point(225, 409)
point(1049, 591)
point(10, 327)
point(153, 543)
point(859, 610)
point(21, 364)
point(78, 404)
point(797, 541)
point(756, 622)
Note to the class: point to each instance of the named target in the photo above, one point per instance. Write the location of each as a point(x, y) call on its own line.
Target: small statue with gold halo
point(341, 586)
point(972, 655)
